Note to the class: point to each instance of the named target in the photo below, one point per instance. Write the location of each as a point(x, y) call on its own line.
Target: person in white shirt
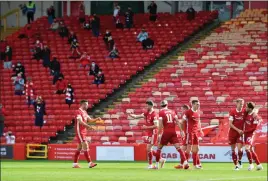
point(10, 139)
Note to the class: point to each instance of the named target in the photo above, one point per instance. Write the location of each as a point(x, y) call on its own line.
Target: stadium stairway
point(130, 87)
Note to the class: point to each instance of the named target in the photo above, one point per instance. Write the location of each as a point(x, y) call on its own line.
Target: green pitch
point(123, 171)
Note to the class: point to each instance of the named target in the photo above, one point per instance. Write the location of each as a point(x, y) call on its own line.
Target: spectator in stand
point(8, 58)
point(40, 111)
point(114, 53)
point(10, 138)
point(63, 30)
point(143, 35)
point(153, 11)
point(69, 95)
point(106, 38)
point(19, 84)
point(19, 68)
point(30, 11)
point(190, 13)
point(94, 69)
point(84, 60)
point(38, 50)
point(87, 24)
point(55, 69)
point(29, 91)
point(99, 78)
point(3, 113)
point(129, 18)
point(95, 25)
point(116, 13)
point(82, 14)
point(51, 14)
point(26, 32)
point(61, 86)
point(46, 56)
point(55, 25)
point(3, 45)
point(148, 44)
point(75, 49)
point(72, 36)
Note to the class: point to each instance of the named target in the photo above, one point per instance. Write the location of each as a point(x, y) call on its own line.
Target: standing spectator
point(143, 35)
point(99, 78)
point(63, 30)
point(87, 24)
point(72, 36)
point(19, 84)
point(8, 58)
point(129, 18)
point(55, 25)
point(75, 48)
point(94, 69)
point(51, 14)
point(190, 13)
point(153, 11)
point(60, 86)
point(2, 119)
point(40, 111)
point(3, 45)
point(46, 56)
point(19, 68)
point(30, 11)
point(29, 91)
point(84, 60)
point(55, 69)
point(95, 25)
point(82, 13)
point(69, 95)
point(114, 53)
point(38, 50)
point(116, 13)
point(10, 138)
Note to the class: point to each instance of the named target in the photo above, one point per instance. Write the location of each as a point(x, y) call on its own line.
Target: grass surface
point(123, 171)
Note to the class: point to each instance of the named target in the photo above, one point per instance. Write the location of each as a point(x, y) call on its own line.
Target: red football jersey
point(251, 123)
point(192, 119)
point(237, 118)
point(79, 128)
point(168, 118)
point(149, 121)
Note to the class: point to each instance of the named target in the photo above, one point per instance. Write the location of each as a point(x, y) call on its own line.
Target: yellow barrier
point(32, 150)
point(4, 18)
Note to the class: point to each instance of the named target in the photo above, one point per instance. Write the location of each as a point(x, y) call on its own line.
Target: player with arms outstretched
point(251, 121)
point(235, 136)
point(167, 122)
point(150, 128)
point(81, 127)
point(191, 120)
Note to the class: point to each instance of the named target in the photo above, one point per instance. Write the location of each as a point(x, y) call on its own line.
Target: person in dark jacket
point(72, 36)
point(46, 56)
point(99, 78)
point(39, 111)
point(30, 11)
point(63, 30)
point(106, 37)
point(153, 11)
point(19, 68)
point(129, 18)
point(94, 69)
point(55, 69)
point(87, 24)
point(69, 99)
point(51, 14)
point(114, 53)
point(95, 25)
point(190, 13)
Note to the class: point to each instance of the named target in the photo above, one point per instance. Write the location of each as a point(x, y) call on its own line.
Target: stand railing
point(12, 12)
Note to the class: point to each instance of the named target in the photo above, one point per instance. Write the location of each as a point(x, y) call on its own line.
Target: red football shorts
point(151, 139)
point(249, 139)
point(190, 139)
point(81, 137)
point(234, 137)
point(169, 138)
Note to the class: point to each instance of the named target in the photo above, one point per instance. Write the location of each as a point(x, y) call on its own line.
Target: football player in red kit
point(150, 129)
point(81, 127)
point(167, 122)
point(251, 121)
point(235, 136)
point(191, 119)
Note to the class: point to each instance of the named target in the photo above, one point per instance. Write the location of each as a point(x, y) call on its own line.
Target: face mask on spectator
point(18, 64)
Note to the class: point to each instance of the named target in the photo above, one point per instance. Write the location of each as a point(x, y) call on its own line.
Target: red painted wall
point(256, 4)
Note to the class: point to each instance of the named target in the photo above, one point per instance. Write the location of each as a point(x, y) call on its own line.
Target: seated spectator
point(106, 37)
point(75, 49)
point(55, 25)
point(40, 111)
point(46, 56)
point(99, 78)
point(95, 25)
point(29, 91)
point(8, 58)
point(147, 44)
point(190, 13)
point(114, 53)
point(10, 138)
point(143, 35)
point(94, 69)
point(69, 95)
point(38, 50)
point(86, 24)
point(19, 68)
point(3, 45)
point(51, 14)
point(72, 36)
point(19, 84)
point(55, 66)
point(84, 60)
point(63, 30)
point(61, 86)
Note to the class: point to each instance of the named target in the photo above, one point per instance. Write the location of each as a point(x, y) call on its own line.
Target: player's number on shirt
point(169, 118)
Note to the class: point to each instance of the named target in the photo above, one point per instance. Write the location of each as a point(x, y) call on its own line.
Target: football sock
point(194, 155)
point(87, 156)
point(255, 158)
point(234, 157)
point(182, 154)
point(187, 155)
point(197, 159)
point(158, 153)
point(249, 155)
point(240, 155)
point(150, 157)
point(76, 156)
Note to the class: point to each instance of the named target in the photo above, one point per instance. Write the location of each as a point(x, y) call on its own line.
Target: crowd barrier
point(213, 153)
